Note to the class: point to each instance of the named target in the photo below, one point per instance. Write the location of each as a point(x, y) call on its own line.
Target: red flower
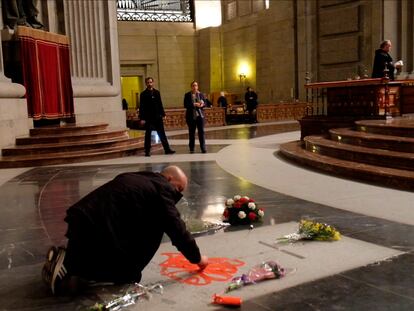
point(251, 200)
point(237, 205)
point(252, 216)
point(226, 213)
point(243, 200)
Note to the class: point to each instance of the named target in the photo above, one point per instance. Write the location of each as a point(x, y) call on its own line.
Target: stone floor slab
point(307, 261)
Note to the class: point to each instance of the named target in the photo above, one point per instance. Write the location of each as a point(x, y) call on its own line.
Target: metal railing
point(154, 10)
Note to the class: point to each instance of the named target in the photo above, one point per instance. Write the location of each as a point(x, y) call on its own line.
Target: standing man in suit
point(151, 114)
point(194, 103)
point(251, 102)
point(383, 58)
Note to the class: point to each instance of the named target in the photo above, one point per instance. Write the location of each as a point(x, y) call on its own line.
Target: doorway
point(132, 86)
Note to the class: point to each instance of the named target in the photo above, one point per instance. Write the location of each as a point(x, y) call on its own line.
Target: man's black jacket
point(129, 216)
point(382, 57)
point(151, 109)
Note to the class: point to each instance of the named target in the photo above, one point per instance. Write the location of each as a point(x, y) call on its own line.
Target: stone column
point(307, 44)
point(14, 119)
point(410, 39)
point(92, 29)
point(406, 33)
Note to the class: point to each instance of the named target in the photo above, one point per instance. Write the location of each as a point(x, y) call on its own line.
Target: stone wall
point(165, 51)
point(239, 43)
point(345, 39)
point(275, 57)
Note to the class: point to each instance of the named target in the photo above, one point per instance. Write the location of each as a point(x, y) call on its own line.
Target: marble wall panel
point(167, 50)
point(339, 50)
point(339, 21)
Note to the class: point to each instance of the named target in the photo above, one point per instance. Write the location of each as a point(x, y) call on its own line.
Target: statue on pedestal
point(20, 12)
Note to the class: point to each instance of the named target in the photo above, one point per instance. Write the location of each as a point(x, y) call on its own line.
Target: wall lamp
point(242, 77)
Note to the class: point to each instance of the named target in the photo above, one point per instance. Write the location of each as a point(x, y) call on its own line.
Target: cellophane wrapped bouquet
point(264, 271)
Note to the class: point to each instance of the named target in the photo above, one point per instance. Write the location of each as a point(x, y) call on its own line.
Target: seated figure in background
point(207, 101)
point(21, 13)
point(222, 101)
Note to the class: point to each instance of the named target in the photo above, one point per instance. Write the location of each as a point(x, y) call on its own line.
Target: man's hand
point(203, 262)
point(142, 122)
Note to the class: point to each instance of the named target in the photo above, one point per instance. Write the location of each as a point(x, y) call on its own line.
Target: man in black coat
point(194, 103)
point(251, 103)
point(151, 114)
point(383, 58)
point(114, 231)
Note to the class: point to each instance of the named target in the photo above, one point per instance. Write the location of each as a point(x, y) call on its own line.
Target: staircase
point(70, 143)
point(378, 151)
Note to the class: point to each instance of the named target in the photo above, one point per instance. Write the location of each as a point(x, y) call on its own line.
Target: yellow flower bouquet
point(311, 230)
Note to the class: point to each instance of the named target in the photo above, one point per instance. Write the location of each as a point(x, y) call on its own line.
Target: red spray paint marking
point(178, 268)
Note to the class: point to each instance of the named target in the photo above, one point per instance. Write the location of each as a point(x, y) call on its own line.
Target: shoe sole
point(54, 267)
point(59, 269)
point(46, 270)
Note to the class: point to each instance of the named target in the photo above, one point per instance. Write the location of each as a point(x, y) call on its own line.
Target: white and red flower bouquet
point(242, 210)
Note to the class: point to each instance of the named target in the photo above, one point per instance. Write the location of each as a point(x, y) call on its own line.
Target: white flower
point(246, 197)
point(241, 215)
point(237, 197)
point(252, 206)
point(260, 213)
point(229, 202)
point(293, 236)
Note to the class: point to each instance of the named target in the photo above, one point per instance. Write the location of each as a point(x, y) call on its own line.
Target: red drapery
point(46, 73)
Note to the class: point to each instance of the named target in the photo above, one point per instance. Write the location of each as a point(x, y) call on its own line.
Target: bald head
point(176, 177)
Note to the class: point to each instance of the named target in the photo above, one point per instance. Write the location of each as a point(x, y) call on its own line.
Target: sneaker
point(147, 154)
point(170, 151)
point(191, 151)
point(53, 270)
point(203, 151)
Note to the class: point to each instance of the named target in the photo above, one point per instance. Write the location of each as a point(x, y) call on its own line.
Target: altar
point(341, 103)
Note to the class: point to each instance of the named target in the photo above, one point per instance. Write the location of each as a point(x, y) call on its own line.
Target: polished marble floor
point(239, 160)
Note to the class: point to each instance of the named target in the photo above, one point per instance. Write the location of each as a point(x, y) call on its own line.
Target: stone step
point(66, 146)
point(395, 127)
point(395, 143)
point(68, 137)
point(67, 129)
point(134, 146)
point(377, 157)
point(385, 176)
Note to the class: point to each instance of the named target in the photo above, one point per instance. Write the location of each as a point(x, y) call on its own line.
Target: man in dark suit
point(251, 103)
point(114, 231)
point(194, 103)
point(382, 59)
point(151, 114)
